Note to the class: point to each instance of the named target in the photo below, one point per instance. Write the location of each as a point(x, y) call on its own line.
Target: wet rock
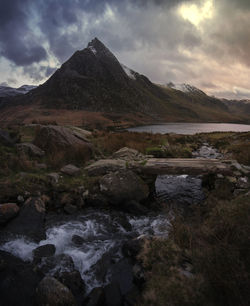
point(104, 166)
point(8, 211)
point(131, 298)
point(30, 149)
point(51, 138)
point(77, 240)
point(18, 281)
point(70, 209)
point(207, 152)
point(135, 208)
point(70, 170)
point(113, 294)
point(74, 282)
point(131, 248)
point(46, 250)
point(121, 187)
point(139, 275)
point(96, 298)
point(56, 264)
point(30, 221)
point(50, 292)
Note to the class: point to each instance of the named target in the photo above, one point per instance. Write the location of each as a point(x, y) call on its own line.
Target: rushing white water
point(102, 233)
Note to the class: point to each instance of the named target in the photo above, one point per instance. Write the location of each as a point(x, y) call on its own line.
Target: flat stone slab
point(185, 166)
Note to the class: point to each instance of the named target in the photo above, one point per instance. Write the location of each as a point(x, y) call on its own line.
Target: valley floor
point(66, 186)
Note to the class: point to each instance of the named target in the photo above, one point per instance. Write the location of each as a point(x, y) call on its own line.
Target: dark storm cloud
point(17, 42)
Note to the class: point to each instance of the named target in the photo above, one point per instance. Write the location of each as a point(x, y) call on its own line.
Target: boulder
point(73, 280)
point(104, 166)
point(7, 212)
point(55, 265)
point(96, 297)
point(18, 281)
point(51, 292)
point(112, 294)
point(70, 209)
point(46, 250)
point(128, 154)
point(30, 149)
point(52, 138)
point(53, 178)
point(121, 187)
point(80, 133)
point(30, 221)
point(70, 170)
point(77, 240)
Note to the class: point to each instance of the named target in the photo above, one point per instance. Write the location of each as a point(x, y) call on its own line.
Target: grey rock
point(30, 149)
point(104, 166)
point(70, 209)
point(8, 211)
point(121, 187)
point(53, 177)
point(46, 250)
point(51, 292)
point(70, 170)
point(30, 220)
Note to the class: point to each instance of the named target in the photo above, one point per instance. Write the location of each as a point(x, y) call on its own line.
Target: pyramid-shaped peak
point(97, 47)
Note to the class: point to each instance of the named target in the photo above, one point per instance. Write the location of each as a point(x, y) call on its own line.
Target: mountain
point(93, 79)
point(6, 91)
point(93, 88)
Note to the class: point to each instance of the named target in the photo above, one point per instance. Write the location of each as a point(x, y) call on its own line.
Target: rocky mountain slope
point(94, 81)
point(7, 91)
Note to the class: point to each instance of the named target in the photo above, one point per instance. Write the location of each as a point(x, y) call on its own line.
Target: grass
point(215, 240)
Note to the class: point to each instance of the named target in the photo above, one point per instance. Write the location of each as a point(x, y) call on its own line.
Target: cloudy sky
point(205, 43)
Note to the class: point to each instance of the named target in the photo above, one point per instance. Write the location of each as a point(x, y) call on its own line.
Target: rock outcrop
point(52, 138)
point(123, 186)
point(30, 149)
point(7, 212)
point(50, 292)
point(30, 221)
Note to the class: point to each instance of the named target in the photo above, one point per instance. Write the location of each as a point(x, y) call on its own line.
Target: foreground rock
point(50, 292)
point(70, 170)
point(52, 138)
point(104, 166)
point(18, 281)
point(46, 250)
point(123, 186)
point(30, 149)
point(7, 212)
point(30, 221)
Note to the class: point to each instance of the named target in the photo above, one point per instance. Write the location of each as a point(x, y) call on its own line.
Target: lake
point(191, 128)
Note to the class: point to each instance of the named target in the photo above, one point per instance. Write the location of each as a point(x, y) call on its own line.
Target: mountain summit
point(93, 79)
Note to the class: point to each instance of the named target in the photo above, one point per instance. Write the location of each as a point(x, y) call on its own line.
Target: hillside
point(94, 89)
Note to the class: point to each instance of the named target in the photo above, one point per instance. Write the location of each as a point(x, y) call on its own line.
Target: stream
point(94, 239)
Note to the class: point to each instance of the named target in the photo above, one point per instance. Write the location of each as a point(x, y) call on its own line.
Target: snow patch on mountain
point(130, 73)
point(91, 48)
point(185, 88)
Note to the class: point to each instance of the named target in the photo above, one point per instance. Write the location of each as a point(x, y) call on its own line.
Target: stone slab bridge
point(175, 166)
point(189, 166)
